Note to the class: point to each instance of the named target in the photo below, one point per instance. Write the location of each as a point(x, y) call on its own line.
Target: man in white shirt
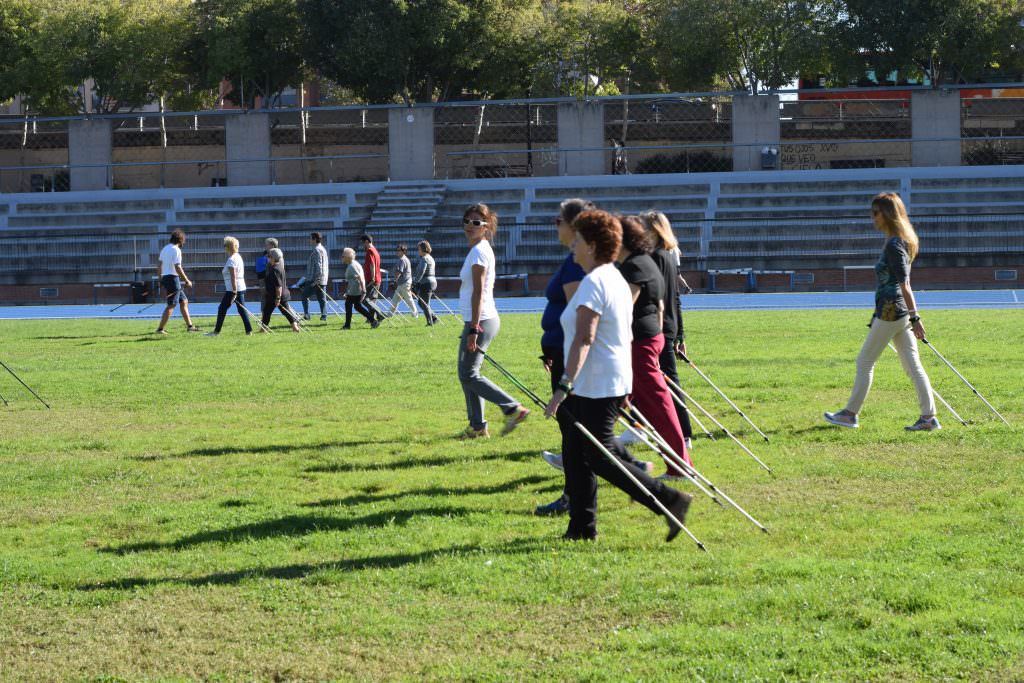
point(171, 277)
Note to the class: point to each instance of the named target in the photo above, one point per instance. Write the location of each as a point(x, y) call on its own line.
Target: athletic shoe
point(689, 444)
point(323, 318)
point(471, 433)
point(553, 459)
point(514, 419)
point(374, 324)
point(160, 331)
point(670, 476)
point(678, 510)
point(554, 508)
point(629, 436)
point(842, 419)
point(305, 316)
point(924, 425)
point(211, 334)
point(346, 327)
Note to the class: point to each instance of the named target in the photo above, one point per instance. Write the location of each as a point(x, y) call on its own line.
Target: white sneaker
point(689, 444)
point(629, 436)
point(553, 459)
point(211, 334)
point(841, 418)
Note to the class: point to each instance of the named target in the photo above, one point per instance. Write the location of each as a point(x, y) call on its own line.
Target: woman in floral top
point(895, 319)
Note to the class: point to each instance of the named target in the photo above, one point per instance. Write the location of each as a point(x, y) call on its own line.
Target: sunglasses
point(474, 222)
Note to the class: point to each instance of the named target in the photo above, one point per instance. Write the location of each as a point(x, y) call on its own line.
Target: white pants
point(898, 332)
point(402, 293)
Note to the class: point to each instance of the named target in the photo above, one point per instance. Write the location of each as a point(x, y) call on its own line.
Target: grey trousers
point(475, 386)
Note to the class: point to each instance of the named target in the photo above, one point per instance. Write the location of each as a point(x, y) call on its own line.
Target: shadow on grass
point(432, 491)
point(292, 525)
point(300, 571)
point(220, 451)
point(413, 462)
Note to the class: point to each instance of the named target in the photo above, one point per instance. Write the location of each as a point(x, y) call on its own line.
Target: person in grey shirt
point(425, 281)
point(314, 283)
point(403, 281)
point(355, 290)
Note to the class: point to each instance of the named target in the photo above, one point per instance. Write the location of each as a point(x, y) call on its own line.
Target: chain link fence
point(32, 153)
point(329, 146)
point(154, 150)
point(985, 125)
point(845, 133)
point(496, 140)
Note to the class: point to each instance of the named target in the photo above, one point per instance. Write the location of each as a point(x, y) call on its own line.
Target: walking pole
point(938, 396)
point(722, 394)
point(376, 309)
point(426, 308)
point(298, 318)
point(654, 441)
point(693, 473)
point(694, 418)
point(15, 376)
point(711, 417)
point(604, 451)
point(445, 304)
point(4, 400)
point(971, 386)
point(259, 322)
point(333, 305)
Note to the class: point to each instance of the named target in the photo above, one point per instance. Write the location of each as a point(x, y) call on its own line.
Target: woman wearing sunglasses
point(895, 319)
point(476, 303)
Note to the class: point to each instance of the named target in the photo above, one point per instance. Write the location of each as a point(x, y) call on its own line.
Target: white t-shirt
point(480, 255)
point(170, 256)
point(608, 369)
point(234, 261)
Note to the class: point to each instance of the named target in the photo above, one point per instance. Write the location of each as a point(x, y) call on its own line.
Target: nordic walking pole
point(711, 417)
point(604, 451)
point(298, 318)
point(722, 394)
point(694, 418)
point(423, 304)
point(694, 474)
point(445, 304)
point(664, 451)
point(15, 376)
point(333, 305)
point(938, 396)
point(971, 386)
point(265, 328)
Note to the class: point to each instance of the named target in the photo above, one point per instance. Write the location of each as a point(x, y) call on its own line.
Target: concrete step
point(280, 213)
point(86, 219)
point(270, 201)
point(134, 206)
point(592, 193)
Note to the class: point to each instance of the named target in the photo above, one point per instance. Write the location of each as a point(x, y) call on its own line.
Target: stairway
point(406, 204)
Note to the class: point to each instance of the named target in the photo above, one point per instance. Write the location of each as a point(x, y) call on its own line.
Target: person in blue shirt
point(261, 262)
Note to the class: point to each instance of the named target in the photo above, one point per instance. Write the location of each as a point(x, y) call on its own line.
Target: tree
point(943, 40)
point(415, 50)
point(751, 45)
point(254, 44)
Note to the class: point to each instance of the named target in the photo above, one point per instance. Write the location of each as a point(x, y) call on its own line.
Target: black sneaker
point(323, 317)
point(579, 536)
point(678, 510)
point(375, 324)
point(554, 508)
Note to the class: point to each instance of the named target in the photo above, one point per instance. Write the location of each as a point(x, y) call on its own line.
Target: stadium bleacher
point(809, 220)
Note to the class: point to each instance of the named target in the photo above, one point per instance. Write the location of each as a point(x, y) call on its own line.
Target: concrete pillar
point(581, 127)
point(755, 125)
point(90, 141)
point(247, 136)
point(411, 143)
point(935, 114)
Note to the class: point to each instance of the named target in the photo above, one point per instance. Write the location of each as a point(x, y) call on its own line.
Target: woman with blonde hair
point(666, 256)
point(895, 318)
point(234, 287)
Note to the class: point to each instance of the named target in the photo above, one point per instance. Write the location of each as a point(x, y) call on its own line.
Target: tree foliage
point(138, 51)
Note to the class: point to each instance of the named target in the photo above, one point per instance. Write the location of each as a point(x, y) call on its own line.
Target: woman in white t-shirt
point(234, 287)
point(598, 376)
point(476, 303)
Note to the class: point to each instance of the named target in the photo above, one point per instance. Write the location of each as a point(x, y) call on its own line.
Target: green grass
point(295, 507)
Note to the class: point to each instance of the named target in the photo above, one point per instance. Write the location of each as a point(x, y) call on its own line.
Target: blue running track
point(954, 299)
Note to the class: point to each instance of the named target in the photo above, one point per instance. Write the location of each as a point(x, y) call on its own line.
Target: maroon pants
point(652, 398)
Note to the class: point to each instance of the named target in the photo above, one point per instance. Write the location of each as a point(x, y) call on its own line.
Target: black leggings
point(225, 304)
point(583, 460)
point(356, 301)
point(424, 293)
point(268, 309)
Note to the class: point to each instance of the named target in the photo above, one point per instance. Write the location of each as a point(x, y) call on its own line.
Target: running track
point(988, 298)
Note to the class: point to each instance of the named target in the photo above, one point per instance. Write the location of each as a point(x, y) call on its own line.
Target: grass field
point(295, 508)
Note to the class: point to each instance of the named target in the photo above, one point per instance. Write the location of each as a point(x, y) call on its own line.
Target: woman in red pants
point(650, 392)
